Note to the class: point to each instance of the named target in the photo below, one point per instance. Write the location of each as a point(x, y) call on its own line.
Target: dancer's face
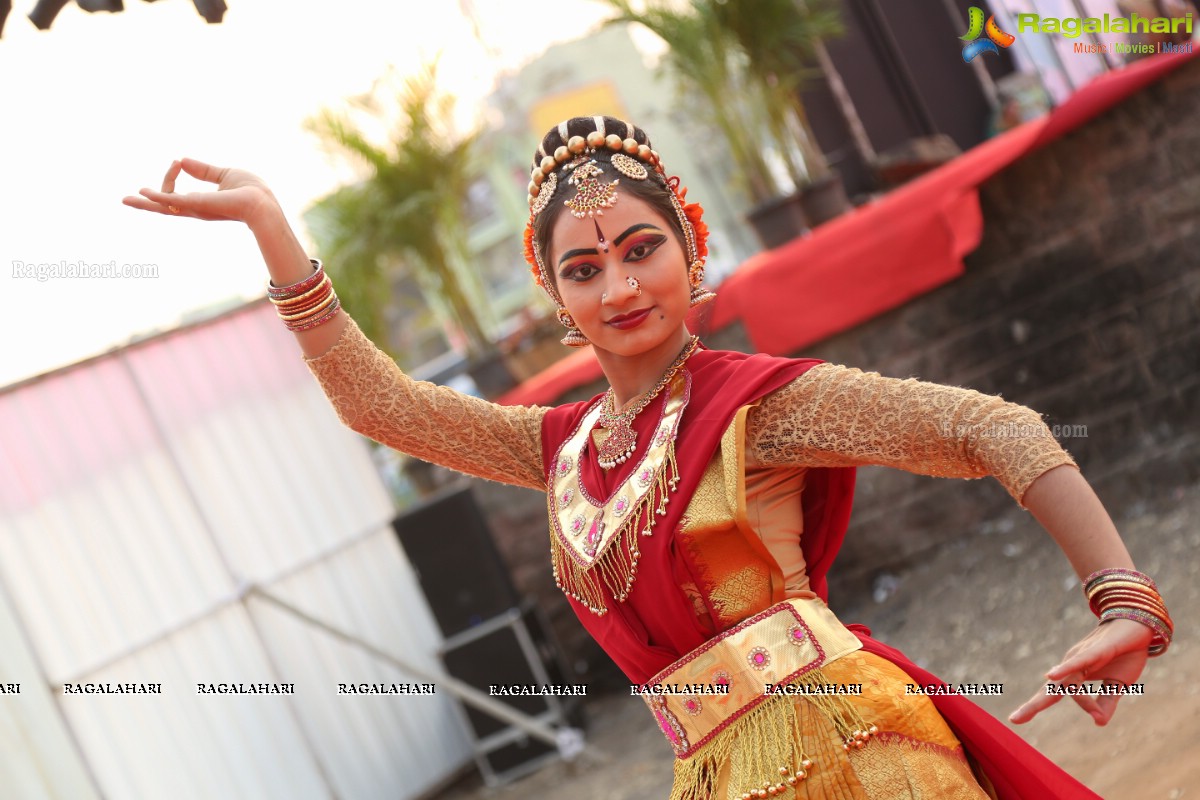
point(593, 260)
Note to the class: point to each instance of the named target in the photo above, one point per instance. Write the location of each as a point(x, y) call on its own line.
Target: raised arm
point(368, 391)
point(434, 423)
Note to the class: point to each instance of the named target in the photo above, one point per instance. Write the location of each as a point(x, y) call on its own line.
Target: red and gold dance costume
point(765, 509)
point(701, 559)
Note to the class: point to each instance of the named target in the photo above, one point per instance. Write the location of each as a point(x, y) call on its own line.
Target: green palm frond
point(748, 59)
point(407, 213)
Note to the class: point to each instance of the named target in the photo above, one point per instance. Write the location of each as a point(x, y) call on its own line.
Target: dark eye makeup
point(638, 250)
point(644, 247)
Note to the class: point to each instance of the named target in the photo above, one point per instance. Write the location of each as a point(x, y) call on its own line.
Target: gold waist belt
point(713, 686)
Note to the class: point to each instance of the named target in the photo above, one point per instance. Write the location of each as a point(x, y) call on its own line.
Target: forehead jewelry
point(591, 196)
point(600, 242)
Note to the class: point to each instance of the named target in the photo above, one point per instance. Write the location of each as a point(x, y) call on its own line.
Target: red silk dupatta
point(656, 624)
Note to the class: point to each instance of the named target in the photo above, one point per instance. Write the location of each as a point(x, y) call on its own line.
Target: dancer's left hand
point(1114, 654)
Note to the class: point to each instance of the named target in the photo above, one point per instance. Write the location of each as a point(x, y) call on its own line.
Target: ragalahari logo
point(995, 36)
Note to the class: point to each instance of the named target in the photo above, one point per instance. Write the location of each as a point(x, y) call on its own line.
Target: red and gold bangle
point(285, 292)
point(1162, 631)
point(310, 313)
point(1117, 595)
point(313, 320)
point(304, 298)
point(329, 314)
point(306, 304)
point(1150, 608)
point(1116, 573)
point(1099, 583)
point(1120, 593)
point(312, 299)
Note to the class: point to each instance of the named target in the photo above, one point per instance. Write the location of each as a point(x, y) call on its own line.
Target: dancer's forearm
point(1067, 507)
point(288, 264)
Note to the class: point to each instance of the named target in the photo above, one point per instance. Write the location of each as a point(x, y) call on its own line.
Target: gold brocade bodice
point(742, 530)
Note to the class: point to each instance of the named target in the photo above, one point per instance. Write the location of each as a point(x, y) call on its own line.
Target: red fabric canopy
point(875, 257)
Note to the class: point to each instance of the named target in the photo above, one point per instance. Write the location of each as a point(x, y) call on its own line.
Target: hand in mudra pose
point(241, 196)
point(1114, 653)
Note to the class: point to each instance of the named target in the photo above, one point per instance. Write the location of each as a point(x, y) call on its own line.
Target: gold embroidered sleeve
point(372, 396)
point(839, 416)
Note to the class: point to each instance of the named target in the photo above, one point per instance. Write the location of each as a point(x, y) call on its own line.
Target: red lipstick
point(631, 320)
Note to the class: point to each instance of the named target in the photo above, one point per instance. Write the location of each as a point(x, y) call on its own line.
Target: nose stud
point(633, 283)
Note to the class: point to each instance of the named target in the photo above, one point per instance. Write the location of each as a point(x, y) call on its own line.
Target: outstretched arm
point(839, 416)
point(1116, 651)
point(369, 392)
point(433, 423)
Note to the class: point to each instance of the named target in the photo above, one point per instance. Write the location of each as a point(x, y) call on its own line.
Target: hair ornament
point(544, 193)
point(572, 158)
point(630, 167)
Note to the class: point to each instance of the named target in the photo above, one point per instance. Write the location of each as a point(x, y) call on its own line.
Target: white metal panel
point(182, 744)
point(37, 756)
point(380, 746)
point(97, 562)
point(130, 524)
point(237, 408)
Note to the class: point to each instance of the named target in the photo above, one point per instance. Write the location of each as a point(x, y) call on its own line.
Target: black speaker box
point(514, 649)
point(448, 543)
point(501, 658)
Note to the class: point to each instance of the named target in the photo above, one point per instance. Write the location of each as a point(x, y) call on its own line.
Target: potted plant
point(748, 59)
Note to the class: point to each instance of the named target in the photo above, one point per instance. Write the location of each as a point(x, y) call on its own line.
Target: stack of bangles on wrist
point(306, 304)
point(1128, 594)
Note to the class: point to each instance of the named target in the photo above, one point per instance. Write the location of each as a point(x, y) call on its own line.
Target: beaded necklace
point(622, 438)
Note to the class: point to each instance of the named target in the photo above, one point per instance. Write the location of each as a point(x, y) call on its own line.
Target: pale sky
point(99, 105)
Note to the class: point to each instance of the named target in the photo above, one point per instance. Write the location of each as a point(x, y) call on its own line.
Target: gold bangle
point(312, 312)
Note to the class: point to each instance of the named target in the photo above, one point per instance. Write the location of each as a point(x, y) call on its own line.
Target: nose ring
point(634, 284)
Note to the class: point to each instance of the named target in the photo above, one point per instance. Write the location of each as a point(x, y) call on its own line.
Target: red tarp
point(875, 257)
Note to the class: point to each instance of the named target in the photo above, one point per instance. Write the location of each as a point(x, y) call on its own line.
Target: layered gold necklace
point(622, 438)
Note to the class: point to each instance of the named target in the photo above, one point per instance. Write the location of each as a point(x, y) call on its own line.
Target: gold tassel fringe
point(764, 748)
point(616, 569)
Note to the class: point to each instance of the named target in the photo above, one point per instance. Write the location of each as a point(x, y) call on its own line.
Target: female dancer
point(696, 506)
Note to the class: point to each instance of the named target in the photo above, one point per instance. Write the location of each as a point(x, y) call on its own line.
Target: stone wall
point(1081, 302)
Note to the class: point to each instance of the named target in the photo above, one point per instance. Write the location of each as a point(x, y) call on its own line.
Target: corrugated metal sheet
point(38, 758)
point(141, 494)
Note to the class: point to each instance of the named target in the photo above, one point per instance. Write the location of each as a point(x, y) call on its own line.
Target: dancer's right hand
point(240, 195)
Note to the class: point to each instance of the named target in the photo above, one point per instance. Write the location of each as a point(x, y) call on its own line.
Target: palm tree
point(776, 38)
point(704, 62)
point(408, 212)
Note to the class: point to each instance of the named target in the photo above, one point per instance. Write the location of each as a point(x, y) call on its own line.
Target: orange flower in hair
point(530, 256)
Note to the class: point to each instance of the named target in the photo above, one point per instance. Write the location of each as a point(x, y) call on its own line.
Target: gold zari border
point(593, 544)
point(773, 648)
